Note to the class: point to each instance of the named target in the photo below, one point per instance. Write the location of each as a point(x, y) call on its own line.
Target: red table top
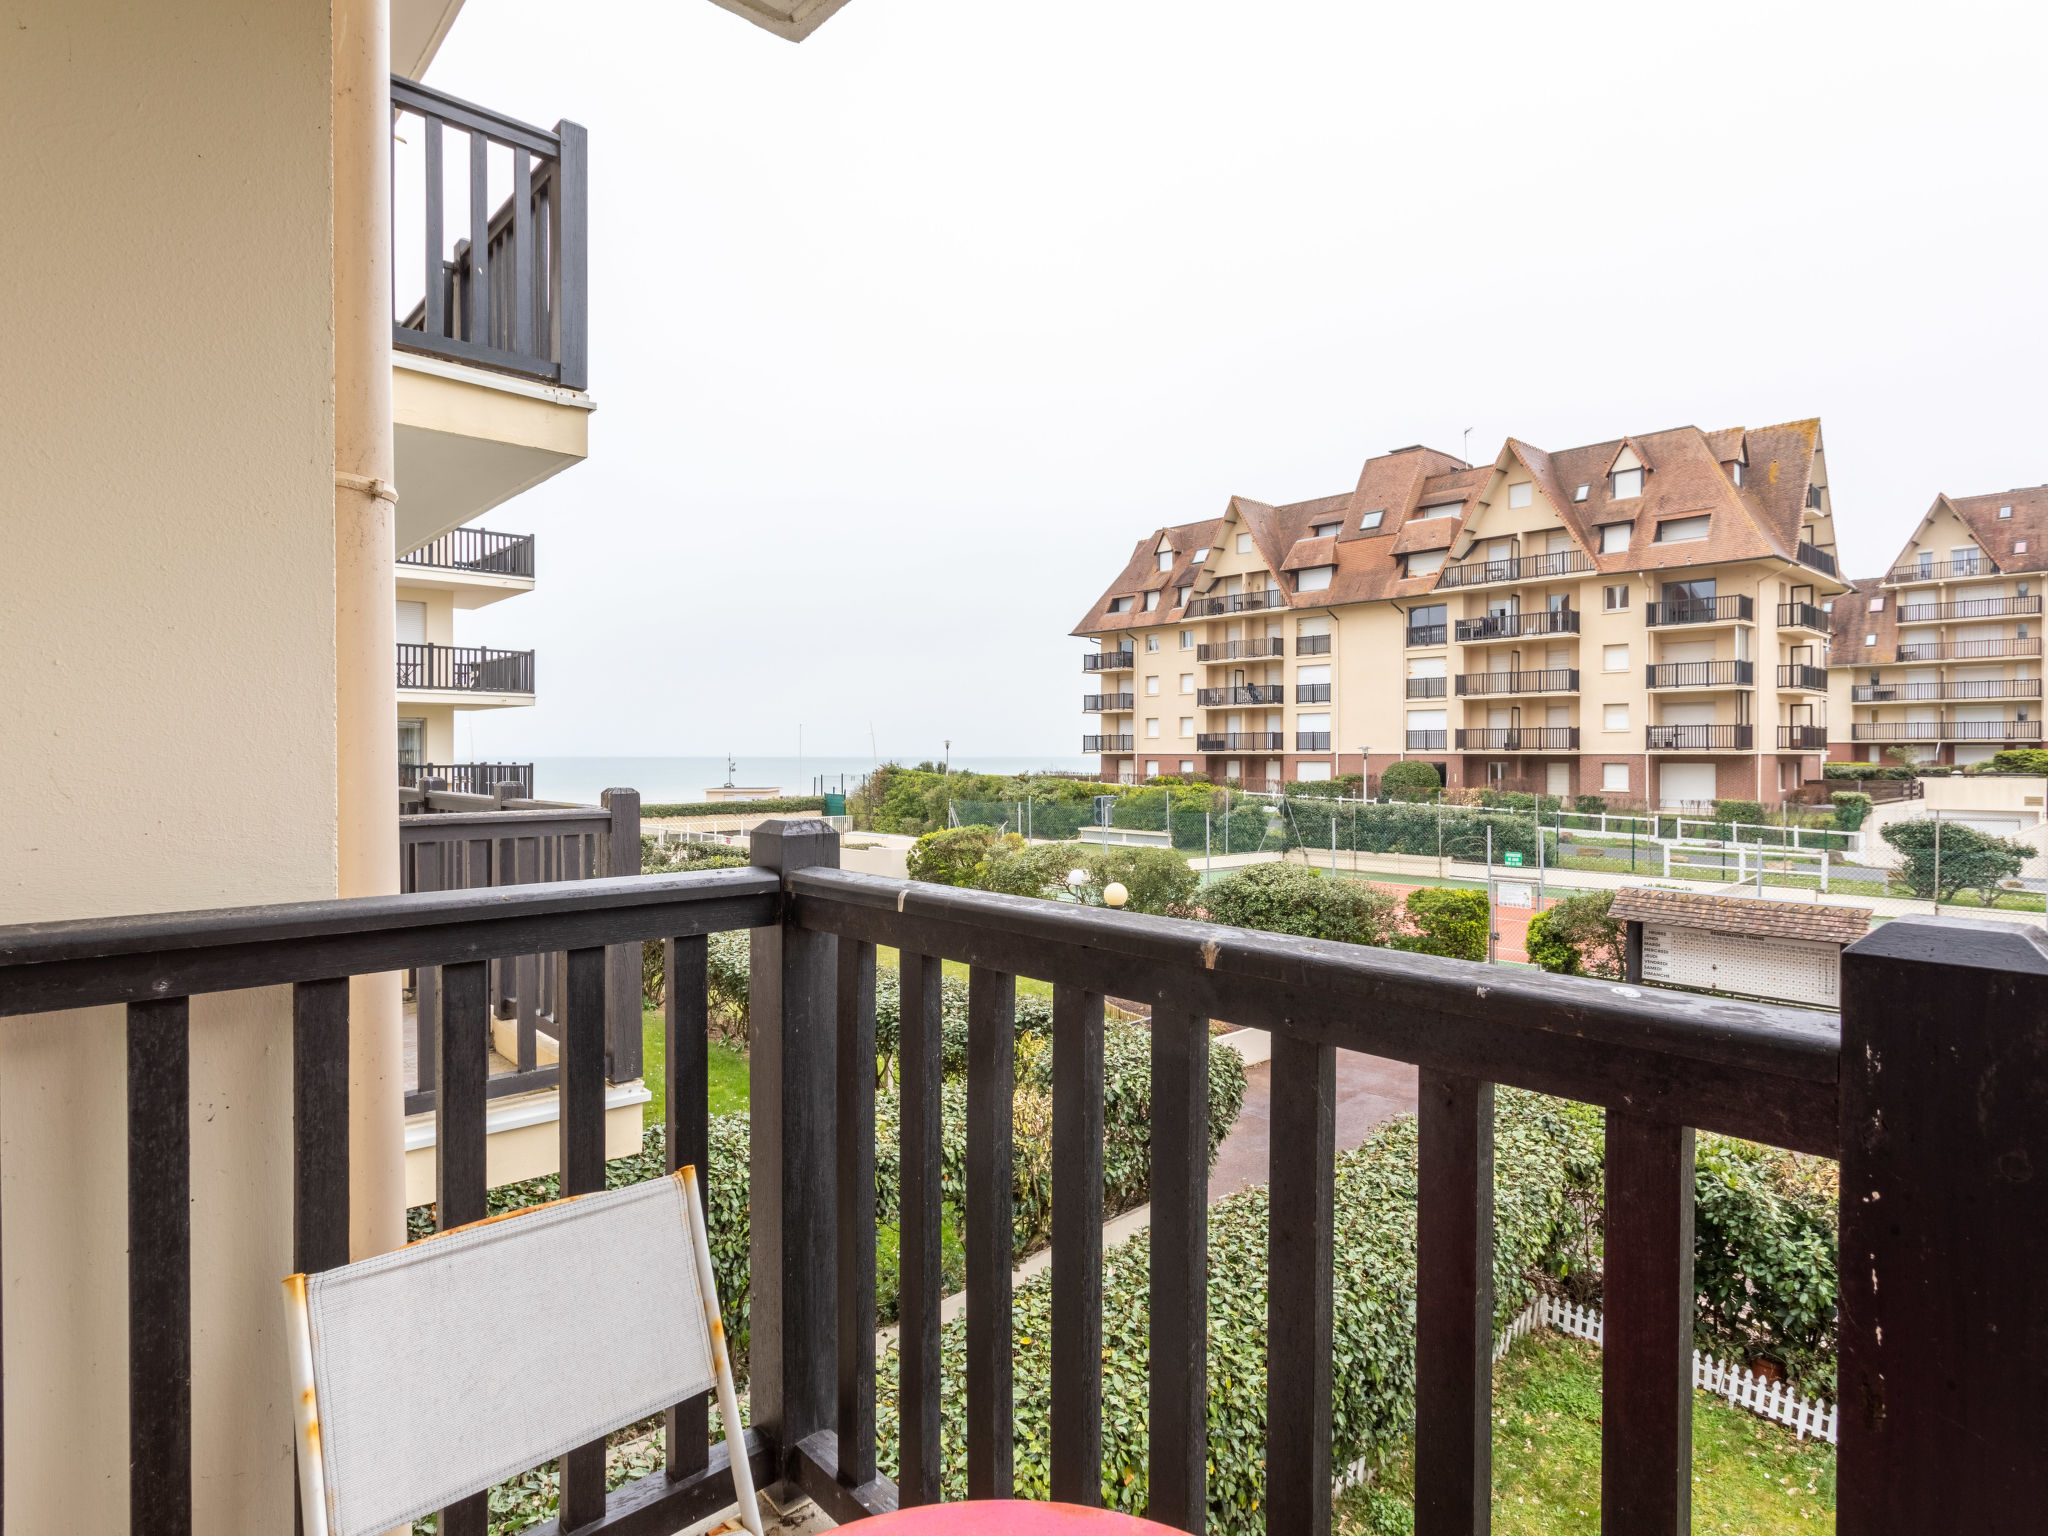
point(1010, 1517)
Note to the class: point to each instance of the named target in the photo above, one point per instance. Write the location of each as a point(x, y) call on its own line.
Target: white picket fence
point(1723, 1378)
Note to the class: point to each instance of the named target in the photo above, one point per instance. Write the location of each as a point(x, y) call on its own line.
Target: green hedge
point(1292, 898)
point(1544, 1150)
point(1411, 829)
point(736, 807)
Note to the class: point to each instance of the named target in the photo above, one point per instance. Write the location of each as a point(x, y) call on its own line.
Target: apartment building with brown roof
point(1939, 659)
point(1641, 619)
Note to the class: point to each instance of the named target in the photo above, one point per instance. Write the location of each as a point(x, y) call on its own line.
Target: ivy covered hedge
point(1455, 831)
point(1544, 1151)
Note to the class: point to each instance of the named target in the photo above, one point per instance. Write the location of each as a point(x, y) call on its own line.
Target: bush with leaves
point(952, 856)
point(1944, 857)
point(1291, 898)
point(1852, 808)
point(1765, 1264)
point(2020, 760)
point(1442, 921)
point(1575, 936)
point(1410, 781)
point(1748, 813)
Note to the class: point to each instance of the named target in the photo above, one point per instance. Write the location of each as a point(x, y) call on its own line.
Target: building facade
point(1642, 619)
point(1939, 659)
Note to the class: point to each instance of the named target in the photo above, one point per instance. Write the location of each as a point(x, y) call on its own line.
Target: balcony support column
point(365, 618)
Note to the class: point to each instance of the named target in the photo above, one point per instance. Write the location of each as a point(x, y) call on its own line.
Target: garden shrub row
point(1423, 830)
point(785, 805)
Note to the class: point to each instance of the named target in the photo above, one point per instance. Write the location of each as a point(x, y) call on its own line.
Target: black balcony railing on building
point(1547, 680)
point(1096, 703)
point(1948, 730)
point(464, 668)
point(470, 778)
point(1520, 738)
point(1236, 602)
point(1242, 693)
point(1969, 608)
point(1983, 688)
point(513, 295)
point(1969, 650)
point(1427, 741)
point(1802, 738)
point(1941, 570)
point(1513, 626)
point(1311, 741)
point(1312, 645)
point(1798, 675)
point(1701, 674)
point(476, 549)
point(1106, 744)
point(1242, 650)
point(1242, 741)
point(1311, 693)
point(1700, 610)
point(1930, 1141)
point(1113, 660)
point(1700, 738)
point(1427, 687)
point(1426, 634)
point(1802, 616)
point(1476, 573)
point(1812, 555)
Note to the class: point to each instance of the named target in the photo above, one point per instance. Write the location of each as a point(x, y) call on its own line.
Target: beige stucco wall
point(166, 655)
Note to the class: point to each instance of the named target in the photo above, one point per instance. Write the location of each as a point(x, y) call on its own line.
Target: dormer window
point(1372, 520)
point(1166, 559)
point(1120, 605)
point(1325, 530)
point(1151, 601)
point(1314, 578)
point(1735, 472)
point(1424, 563)
point(1443, 509)
point(1521, 495)
point(1683, 530)
point(1628, 483)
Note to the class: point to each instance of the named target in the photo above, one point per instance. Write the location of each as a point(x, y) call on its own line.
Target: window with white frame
point(1425, 562)
point(1186, 764)
point(1152, 687)
point(1151, 601)
point(1319, 722)
point(1372, 520)
point(1627, 483)
point(1683, 530)
point(1614, 658)
point(1187, 682)
point(1442, 509)
point(1614, 777)
point(1616, 598)
point(1310, 676)
point(1522, 494)
point(2005, 511)
point(1244, 543)
point(1151, 642)
point(1582, 492)
point(1614, 717)
point(1151, 725)
point(1166, 559)
point(1877, 605)
point(1187, 725)
point(1326, 530)
point(1314, 578)
point(1311, 773)
point(1870, 640)
point(1119, 605)
point(1187, 639)
point(1614, 537)
point(1201, 554)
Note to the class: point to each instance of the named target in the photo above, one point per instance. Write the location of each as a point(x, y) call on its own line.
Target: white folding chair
point(412, 1384)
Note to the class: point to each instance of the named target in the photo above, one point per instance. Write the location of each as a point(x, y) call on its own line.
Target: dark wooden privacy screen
point(1937, 1119)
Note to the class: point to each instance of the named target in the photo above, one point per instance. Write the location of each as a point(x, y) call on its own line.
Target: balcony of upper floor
point(1519, 738)
point(466, 676)
point(490, 330)
point(1969, 608)
point(1241, 693)
point(1968, 650)
point(1311, 693)
point(1311, 741)
point(1108, 744)
point(1428, 687)
point(1699, 738)
point(1977, 688)
point(1241, 741)
point(1545, 680)
point(1802, 738)
point(1427, 634)
point(1699, 676)
point(1312, 645)
point(475, 565)
point(1428, 741)
point(1806, 679)
point(1733, 609)
point(1517, 626)
point(1947, 730)
point(1116, 659)
point(1242, 650)
point(1235, 602)
point(1481, 573)
point(1815, 558)
point(1107, 703)
point(1972, 567)
point(1803, 616)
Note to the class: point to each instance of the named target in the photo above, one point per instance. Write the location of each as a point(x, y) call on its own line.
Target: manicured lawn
point(728, 1071)
point(1750, 1477)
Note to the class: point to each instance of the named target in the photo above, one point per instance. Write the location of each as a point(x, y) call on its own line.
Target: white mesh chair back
point(413, 1381)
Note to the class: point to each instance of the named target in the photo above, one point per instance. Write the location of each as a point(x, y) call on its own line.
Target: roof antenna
point(1465, 451)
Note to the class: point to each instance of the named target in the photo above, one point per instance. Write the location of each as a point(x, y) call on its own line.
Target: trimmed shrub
point(1576, 937)
point(1852, 808)
point(1441, 921)
point(788, 805)
point(1157, 881)
point(1543, 1151)
point(1765, 1265)
point(1589, 805)
point(1290, 898)
point(1747, 812)
point(952, 856)
point(1410, 781)
point(2020, 760)
point(1944, 857)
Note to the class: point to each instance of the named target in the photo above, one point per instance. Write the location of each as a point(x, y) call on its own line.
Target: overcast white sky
point(901, 338)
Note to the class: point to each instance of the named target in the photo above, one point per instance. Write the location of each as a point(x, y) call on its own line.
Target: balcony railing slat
point(988, 1230)
point(854, 1157)
point(1300, 1255)
point(436, 293)
point(1453, 1306)
point(1178, 1420)
point(921, 1282)
point(686, 1094)
point(1077, 1043)
point(1648, 1307)
point(580, 1138)
point(320, 1116)
point(462, 1055)
point(159, 1268)
point(570, 214)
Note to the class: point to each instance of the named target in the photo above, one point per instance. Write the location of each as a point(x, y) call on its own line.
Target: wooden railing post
point(1944, 1309)
point(792, 1099)
point(621, 856)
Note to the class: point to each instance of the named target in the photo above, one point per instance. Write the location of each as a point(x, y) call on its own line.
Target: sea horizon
point(677, 780)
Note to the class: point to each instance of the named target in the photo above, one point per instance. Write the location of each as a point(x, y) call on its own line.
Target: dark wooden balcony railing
point(1984, 688)
point(1813, 556)
point(1513, 626)
point(1926, 1088)
point(1700, 738)
point(470, 778)
point(1241, 741)
point(1477, 573)
point(475, 549)
point(1242, 693)
point(1701, 674)
point(1312, 645)
point(1798, 675)
point(1546, 680)
point(1116, 659)
point(1106, 744)
point(1969, 608)
point(1236, 602)
point(516, 299)
point(1520, 738)
point(1700, 610)
point(1802, 738)
point(1941, 570)
point(1238, 650)
point(464, 668)
point(1969, 650)
point(1802, 616)
point(1427, 687)
point(1096, 703)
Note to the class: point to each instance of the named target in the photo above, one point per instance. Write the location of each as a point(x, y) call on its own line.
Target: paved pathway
point(1370, 1091)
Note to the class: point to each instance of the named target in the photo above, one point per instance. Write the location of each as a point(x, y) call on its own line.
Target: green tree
point(1291, 898)
point(1577, 937)
point(1442, 921)
point(1410, 781)
point(950, 857)
point(1943, 858)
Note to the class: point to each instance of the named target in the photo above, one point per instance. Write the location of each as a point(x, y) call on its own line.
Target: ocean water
point(667, 780)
